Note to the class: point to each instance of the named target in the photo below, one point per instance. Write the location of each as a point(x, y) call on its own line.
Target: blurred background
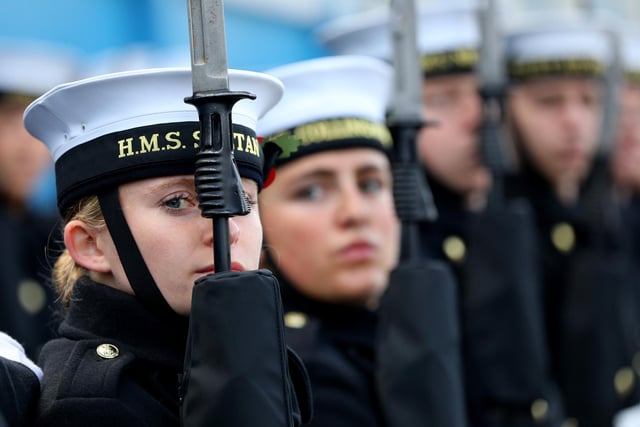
point(115, 35)
point(260, 34)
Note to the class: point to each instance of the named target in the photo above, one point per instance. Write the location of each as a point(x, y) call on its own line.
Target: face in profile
point(450, 150)
point(557, 121)
point(330, 224)
point(22, 157)
point(174, 239)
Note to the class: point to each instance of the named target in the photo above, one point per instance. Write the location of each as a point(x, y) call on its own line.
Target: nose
point(234, 231)
point(575, 115)
point(206, 226)
point(471, 114)
point(352, 208)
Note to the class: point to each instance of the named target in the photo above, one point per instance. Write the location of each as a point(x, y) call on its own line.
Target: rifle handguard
point(218, 184)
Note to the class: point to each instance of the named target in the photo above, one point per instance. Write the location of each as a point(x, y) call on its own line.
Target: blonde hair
point(66, 272)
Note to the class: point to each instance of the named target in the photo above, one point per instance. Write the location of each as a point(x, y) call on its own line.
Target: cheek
point(293, 234)
point(390, 226)
point(286, 229)
point(251, 236)
point(433, 146)
point(534, 129)
point(593, 125)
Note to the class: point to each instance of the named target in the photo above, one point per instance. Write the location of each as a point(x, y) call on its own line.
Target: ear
point(82, 243)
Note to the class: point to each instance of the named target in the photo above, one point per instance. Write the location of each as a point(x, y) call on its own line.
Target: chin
point(364, 289)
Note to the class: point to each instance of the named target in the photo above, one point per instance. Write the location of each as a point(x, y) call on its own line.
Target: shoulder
point(302, 331)
point(84, 367)
point(326, 357)
point(82, 379)
point(19, 388)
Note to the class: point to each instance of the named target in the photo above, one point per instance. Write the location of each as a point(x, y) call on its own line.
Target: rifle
point(505, 342)
point(420, 375)
point(491, 81)
point(602, 284)
point(220, 193)
point(237, 369)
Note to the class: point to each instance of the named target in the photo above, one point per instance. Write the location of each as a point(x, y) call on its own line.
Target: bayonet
point(418, 286)
point(218, 184)
point(209, 69)
point(412, 195)
point(491, 76)
point(406, 103)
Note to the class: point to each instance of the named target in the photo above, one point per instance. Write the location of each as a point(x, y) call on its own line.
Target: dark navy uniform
point(505, 358)
point(362, 363)
point(118, 363)
point(336, 344)
point(590, 312)
point(631, 219)
point(115, 363)
point(19, 389)
point(28, 309)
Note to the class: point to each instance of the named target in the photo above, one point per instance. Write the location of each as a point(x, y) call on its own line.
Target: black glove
point(238, 370)
point(419, 373)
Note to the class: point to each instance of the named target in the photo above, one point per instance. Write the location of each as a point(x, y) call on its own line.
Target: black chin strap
point(144, 287)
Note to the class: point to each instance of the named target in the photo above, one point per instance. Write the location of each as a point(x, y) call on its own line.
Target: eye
point(549, 100)
point(590, 100)
point(371, 185)
point(310, 192)
point(438, 100)
point(179, 201)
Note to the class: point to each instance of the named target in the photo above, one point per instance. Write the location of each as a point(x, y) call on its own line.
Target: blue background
point(254, 41)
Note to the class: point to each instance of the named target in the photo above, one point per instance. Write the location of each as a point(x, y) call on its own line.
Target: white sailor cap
point(121, 127)
point(329, 103)
point(567, 43)
point(448, 36)
point(31, 67)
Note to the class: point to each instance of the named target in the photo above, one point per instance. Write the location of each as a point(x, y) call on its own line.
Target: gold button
point(295, 320)
point(107, 351)
point(570, 422)
point(539, 409)
point(31, 296)
point(624, 381)
point(563, 237)
point(454, 248)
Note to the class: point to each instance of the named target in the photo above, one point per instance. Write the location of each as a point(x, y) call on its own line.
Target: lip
point(572, 154)
point(358, 251)
point(235, 266)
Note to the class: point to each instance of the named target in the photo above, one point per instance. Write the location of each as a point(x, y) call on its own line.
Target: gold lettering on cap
point(147, 145)
point(125, 145)
point(444, 61)
point(578, 67)
point(173, 137)
point(252, 145)
point(238, 138)
point(333, 130)
point(140, 144)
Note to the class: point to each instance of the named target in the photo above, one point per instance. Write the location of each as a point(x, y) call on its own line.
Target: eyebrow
point(172, 182)
point(322, 172)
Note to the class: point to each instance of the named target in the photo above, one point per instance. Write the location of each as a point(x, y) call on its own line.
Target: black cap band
point(331, 134)
point(145, 152)
point(519, 71)
point(450, 62)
